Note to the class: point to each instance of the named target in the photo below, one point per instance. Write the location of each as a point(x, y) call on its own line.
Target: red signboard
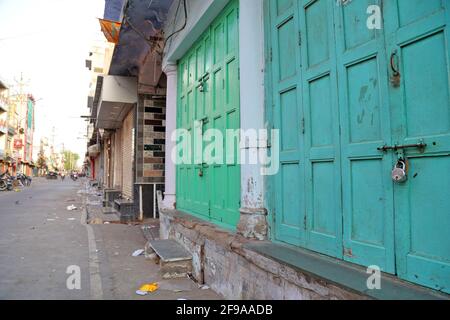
point(18, 144)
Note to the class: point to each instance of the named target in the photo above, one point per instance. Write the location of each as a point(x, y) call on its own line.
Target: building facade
point(126, 148)
point(299, 144)
point(16, 131)
point(348, 99)
point(4, 107)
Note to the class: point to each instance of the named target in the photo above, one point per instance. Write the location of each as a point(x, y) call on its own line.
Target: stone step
point(109, 210)
point(175, 261)
point(126, 209)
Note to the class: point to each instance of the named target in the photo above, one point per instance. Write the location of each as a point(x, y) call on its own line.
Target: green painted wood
point(420, 34)
point(332, 99)
point(208, 189)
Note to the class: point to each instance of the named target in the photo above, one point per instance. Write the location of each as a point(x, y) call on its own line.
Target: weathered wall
point(220, 261)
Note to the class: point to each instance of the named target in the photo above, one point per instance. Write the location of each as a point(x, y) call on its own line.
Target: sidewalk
point(115, 244)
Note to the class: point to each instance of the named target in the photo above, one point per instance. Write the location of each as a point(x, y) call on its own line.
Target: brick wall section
point(151, 139)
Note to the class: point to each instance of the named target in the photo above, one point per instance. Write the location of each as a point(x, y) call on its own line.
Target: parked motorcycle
point(24, 179)
point(6, 182)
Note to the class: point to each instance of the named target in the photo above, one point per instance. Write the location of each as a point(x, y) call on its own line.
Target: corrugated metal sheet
point(128, 155)
point(117, 181)
point(113, 10)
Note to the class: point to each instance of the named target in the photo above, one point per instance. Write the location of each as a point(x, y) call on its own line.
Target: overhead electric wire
point(184, 24)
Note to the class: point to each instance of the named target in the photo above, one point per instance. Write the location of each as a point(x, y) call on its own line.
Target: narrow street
point(40, 239)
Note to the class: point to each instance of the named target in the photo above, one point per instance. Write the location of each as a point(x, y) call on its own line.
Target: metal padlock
point(399, 173)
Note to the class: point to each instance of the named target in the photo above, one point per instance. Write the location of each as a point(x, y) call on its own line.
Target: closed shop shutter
point(128, 155)
point(117, 182)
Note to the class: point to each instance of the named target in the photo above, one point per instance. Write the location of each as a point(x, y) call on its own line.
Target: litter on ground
point(147, 288)
point(71, 208)
point(137, 253)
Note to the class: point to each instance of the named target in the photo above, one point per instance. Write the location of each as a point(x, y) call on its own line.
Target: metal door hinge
point(270, 55)
point(303, 126)
point(299, 38)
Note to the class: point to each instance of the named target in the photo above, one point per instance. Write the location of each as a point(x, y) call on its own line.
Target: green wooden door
point(209, 99)
point(418, 36)
point(335, 102)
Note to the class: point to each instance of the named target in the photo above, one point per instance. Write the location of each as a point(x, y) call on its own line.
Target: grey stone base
point(221, 260)
point(127, 210)
point(253, 223)
point(109, 195)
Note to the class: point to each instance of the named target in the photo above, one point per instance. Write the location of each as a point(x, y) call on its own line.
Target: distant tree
point(41, 162)
point(70, 160)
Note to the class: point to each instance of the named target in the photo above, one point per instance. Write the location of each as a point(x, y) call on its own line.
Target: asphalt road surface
point(43, 246)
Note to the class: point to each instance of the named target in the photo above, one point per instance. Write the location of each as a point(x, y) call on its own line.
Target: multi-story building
point(4, 102)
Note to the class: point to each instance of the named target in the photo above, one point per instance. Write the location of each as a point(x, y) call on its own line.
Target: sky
point(48, 41)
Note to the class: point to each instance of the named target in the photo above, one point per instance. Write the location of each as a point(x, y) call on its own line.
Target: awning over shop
point(118, 96)
point(94, 150)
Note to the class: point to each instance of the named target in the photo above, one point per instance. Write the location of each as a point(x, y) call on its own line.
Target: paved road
point(40, 239)
point(38, 242)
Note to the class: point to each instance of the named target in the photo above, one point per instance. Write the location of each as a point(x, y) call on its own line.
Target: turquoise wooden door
point(368, 209)
point(209, 99)
point(288, 114)
point(329, 103)
point(340, 91)
point(418, 36)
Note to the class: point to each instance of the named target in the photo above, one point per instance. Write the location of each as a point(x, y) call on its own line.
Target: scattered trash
point(147, 288)
point(204, 287)
point(137, 253)
point(71, 208)
point(17, 190)
point(71, 219)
